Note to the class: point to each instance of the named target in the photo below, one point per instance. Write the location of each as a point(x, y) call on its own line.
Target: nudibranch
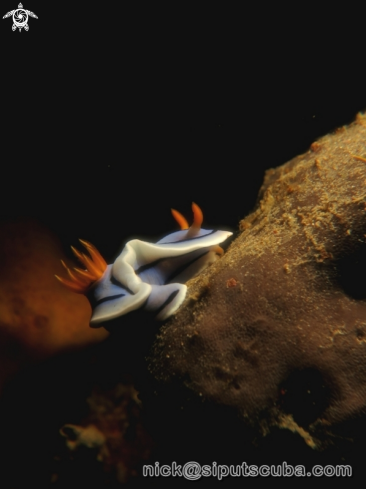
point(146, 275)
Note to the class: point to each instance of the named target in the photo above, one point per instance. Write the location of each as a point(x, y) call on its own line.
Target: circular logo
point(20, 17)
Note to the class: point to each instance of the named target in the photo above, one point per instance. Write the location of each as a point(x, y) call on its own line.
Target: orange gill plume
point(81, 280)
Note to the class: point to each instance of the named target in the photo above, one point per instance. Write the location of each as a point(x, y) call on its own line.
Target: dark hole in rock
point(351, 273)
point(304, 395)
point(360, 333)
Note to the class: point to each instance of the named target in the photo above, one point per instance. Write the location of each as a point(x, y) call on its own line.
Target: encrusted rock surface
point(276, 330)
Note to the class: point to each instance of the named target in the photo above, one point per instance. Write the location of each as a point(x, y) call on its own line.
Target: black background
point(111, 114)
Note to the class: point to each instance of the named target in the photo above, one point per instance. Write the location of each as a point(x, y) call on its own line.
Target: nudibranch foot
point(165, 300)
point(146, 275)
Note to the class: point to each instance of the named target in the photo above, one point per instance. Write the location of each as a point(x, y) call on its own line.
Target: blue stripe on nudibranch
point(109, 298)
point(146, 275)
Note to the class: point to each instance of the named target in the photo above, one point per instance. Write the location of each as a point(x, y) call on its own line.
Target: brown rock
point(276, 329)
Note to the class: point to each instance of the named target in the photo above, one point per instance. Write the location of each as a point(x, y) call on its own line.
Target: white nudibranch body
point(146, 275)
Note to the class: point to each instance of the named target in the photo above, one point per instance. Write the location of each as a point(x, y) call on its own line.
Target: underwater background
point(112, 116)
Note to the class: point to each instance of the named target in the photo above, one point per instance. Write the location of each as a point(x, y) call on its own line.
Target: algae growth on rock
point(275, 331)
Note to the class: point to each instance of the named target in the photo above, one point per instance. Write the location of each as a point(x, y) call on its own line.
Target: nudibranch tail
point(82, 280)
point(218, 250)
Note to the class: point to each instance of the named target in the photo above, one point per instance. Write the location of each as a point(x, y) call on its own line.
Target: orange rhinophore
point(81, 280)
point(181, 220)
point(197, 220)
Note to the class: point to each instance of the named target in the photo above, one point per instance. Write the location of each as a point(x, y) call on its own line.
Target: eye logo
point(20, 17)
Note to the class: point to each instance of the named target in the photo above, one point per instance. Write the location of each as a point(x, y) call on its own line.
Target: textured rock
point(276, 329)
point(113, 432)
